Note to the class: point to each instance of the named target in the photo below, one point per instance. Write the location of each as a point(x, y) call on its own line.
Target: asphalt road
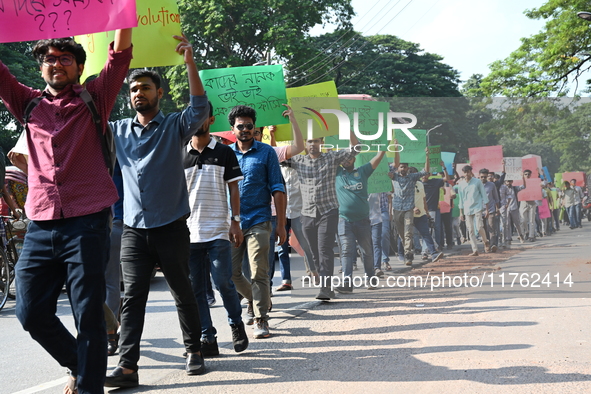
point(394, 340)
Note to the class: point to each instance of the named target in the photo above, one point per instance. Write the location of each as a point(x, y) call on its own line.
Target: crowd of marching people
point(210, 208)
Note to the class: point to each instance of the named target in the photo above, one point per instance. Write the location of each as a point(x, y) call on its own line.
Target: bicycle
point(12, 233)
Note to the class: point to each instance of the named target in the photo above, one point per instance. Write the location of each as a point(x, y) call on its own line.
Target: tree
point(17, 57)
point(242, 33)
point(379, 65)
point(545, 63)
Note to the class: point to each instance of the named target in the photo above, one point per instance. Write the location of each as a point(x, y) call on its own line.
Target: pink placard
point(532, 165)
point(459, 167)
point(30, 20)
point(532, 191)
point(543, 210)
point(579, 176)
point(445, 205)
point(489, 157)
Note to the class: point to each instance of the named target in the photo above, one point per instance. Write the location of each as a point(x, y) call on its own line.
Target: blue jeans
point(385, 237)
point(422, 225)
point(217, 256)
point(359, 231)
point(74, 251)
point(141, 249)
point(579, 213)
point(572, 216)
point(284, 262)
point(376, 240)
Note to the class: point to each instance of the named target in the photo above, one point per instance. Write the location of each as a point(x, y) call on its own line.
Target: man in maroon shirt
point(70, 194)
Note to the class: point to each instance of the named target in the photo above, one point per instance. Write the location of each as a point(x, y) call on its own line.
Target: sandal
point(112, 344)
point(387, 267)
point(71, 387)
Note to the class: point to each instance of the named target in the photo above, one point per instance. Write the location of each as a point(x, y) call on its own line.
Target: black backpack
point(107, 139)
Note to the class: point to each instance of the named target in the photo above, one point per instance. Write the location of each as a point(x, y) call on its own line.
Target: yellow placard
point(153, 44)
point(307, 103)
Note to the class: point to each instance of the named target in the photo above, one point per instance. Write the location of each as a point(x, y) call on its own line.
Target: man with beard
point(70, 192)
point(262, 178)
point(211, 168)
point(156, 206)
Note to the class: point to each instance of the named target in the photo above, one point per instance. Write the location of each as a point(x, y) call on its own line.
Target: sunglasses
point(65, 60)
point(247, 126)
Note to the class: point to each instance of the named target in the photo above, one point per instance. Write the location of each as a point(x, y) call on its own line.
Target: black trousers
point(141, 249)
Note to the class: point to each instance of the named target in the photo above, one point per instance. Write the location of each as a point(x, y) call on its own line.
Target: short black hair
point(242, 111)
point(413, 170)
point(210, 108)
point(466, 169)
point(483, 171)
point(138, 73)
point(63, 45)
point(524, 171)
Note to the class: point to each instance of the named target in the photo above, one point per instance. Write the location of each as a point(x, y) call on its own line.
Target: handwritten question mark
point(69, 16)
point(42, 21)
point(55, 20)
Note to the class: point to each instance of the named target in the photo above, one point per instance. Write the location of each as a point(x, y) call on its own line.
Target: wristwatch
point(235, 218)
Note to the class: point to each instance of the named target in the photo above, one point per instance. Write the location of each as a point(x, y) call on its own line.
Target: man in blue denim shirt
point(262, 178)
point(156, 207)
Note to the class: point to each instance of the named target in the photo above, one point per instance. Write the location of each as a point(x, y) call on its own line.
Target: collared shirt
point(578, 194)
point(317, 180)
point(493, 196)
point(473, 197)
point(420, 199)
point(385, 201)
point(508, 194)
point(208, 174)
point(569, 197)
point(151, 161)
point(294, 195)
point(352, 193)
point(67, 172)
point(262, 177)
point(404, 190)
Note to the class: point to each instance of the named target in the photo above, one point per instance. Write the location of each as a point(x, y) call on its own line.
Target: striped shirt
point(207, 175)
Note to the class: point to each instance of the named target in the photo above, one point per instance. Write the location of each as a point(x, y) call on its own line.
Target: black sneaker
point(239, 338)
point(344, 289)
point(209, 349)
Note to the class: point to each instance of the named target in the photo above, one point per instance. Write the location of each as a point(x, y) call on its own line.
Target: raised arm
point(396, 156)
point(375, 161)
point(427, 164)
point(298, 141)
point(447, 177)
point(122, 39)
point(185, 48)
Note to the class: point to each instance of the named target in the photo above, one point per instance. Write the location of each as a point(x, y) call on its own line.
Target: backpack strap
point(30, 107)
point(107, 142)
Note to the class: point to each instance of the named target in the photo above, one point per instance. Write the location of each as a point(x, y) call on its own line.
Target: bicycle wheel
point(4, 278)
point(12, 258)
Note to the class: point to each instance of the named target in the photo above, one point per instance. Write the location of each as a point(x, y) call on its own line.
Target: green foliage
point(17, 57)
point(242, 33)
point(547, 62)
point(380, 65)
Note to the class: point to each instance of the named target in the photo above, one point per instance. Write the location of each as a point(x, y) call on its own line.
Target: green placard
point(368, 115)
point(158, 21)
point(413, 151)
point(435, 158)
point(379, 181)
point(259, 87)
point(558, 180)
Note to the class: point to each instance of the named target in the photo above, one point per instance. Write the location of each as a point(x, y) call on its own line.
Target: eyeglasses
point(247, 126)
point(255, 133)
point(65, 60)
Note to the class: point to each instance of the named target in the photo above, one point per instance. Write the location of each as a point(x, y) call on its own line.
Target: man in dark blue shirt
point(262, 179)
